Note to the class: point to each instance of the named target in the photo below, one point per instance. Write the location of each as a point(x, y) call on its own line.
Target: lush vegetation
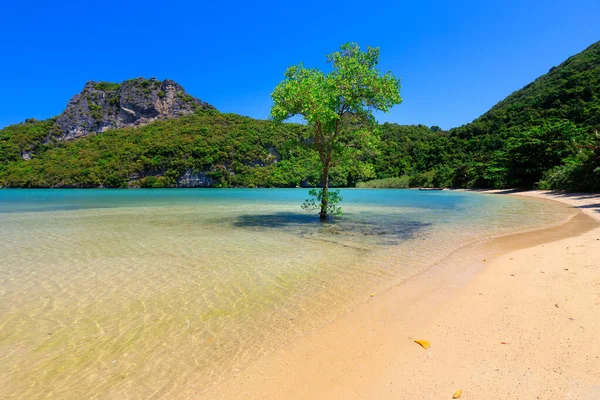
point(107, 86)
point(16, 140)
point(232, 150)
point(402, 182)
point(544, 134)
point(338, 110)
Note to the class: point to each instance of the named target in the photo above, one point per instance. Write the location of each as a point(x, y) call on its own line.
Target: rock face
point(191, 179)
point(103, 105)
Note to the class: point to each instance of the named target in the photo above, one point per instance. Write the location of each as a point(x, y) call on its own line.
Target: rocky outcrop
point(191, 179)
point(103, 105)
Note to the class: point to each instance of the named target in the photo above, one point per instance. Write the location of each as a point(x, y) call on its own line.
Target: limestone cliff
point(103, 105)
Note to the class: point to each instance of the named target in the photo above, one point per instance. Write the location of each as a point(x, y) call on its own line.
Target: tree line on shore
point(544, 135)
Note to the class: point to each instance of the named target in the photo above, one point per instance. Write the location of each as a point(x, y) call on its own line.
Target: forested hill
point(150, 133)
point(544, 133)
point(569, 91)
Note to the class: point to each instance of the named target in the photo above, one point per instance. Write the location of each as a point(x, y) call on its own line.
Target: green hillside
point(544, 134)
point(545, 131)
point(228, 149)
point(231, 150)
point(570, 91)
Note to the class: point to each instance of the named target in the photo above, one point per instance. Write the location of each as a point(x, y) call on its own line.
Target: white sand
point(538, 292)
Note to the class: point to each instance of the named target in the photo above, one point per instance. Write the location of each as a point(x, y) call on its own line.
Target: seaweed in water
point(381, 229)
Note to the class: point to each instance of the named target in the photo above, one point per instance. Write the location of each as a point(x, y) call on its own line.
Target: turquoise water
point(140, 293)
point(61, 199)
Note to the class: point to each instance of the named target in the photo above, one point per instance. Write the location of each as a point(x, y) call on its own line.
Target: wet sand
point(518, 318)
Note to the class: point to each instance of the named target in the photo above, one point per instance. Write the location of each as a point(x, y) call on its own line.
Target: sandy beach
point(516, 318)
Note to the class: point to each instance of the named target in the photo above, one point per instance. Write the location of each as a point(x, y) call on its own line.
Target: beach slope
point(521, 323)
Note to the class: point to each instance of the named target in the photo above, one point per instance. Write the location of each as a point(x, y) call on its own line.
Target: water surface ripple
point(144, 293)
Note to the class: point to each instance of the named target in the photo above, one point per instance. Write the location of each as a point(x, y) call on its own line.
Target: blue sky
point(456, 59)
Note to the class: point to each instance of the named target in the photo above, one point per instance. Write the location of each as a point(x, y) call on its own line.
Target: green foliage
point(107, 86)
point(28, 136)
point(530, 153)
point(115, 181)
point(185, 97)
point(544, 134)
point(233, 151)
point(540, 135)
point(337, 106)
point(95, 111)
point(316, 200)
point(402, 182)
point(581, 172)
point(535, 130)
point(155, 182)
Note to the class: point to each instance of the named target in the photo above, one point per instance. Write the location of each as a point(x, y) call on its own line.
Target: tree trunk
point(325, 193)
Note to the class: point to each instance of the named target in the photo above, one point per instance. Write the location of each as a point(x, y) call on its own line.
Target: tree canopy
point(337, 106)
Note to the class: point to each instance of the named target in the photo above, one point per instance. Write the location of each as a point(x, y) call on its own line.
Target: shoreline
point(467, 306)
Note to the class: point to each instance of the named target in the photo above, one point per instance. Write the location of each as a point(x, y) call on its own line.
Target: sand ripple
point(127, 302)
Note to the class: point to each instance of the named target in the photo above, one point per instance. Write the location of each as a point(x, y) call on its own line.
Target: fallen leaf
point(556, 305)
point(457, 394)
point(423, 343)
point(372, 294)
point(504, 342)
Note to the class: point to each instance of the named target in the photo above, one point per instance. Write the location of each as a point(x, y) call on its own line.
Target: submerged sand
point(518, 318)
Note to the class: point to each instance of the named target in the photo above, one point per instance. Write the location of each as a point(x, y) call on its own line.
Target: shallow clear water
point(141, 293)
